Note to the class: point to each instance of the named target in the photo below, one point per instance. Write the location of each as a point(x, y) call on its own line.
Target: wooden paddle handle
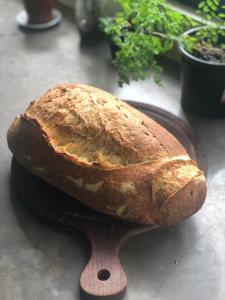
point(104, 277)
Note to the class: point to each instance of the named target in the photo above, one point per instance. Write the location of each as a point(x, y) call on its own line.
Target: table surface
point(38, 262)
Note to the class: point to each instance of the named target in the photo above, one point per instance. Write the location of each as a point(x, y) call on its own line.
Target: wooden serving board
point(103, 277)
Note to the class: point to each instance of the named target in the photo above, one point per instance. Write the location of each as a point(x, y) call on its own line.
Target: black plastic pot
point(203, 85)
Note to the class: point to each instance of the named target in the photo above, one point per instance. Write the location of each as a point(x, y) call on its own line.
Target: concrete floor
point(38, 262)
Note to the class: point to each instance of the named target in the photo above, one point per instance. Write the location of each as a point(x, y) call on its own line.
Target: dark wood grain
point(103, 277)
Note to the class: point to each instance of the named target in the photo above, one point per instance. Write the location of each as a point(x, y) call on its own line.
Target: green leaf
point(213, 7)
point(201, 5)
point(221, 15)
point(205, 9)
point(209, 2)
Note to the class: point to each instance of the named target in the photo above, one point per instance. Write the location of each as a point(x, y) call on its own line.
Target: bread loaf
point(107, 155)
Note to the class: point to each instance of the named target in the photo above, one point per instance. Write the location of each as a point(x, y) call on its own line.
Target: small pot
point(203, 85)
point(87, 13)
point(39, 11)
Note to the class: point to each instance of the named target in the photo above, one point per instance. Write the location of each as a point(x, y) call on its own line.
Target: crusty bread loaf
point(107, 155)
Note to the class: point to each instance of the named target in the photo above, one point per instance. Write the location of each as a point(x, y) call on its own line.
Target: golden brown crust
point(93, 128)
point(124, 182)
point(183, 203)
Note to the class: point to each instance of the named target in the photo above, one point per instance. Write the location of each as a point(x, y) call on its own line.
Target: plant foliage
point(208, 41)
point(141, 31)
point(144, 29)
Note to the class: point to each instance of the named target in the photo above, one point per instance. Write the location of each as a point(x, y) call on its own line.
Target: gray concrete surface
point(38, 262)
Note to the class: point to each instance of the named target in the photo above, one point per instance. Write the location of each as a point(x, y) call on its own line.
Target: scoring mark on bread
point(172, 158)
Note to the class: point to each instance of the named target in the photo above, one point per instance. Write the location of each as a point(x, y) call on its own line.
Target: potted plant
point(38, 15)
point(139, 33)
point(39, 11)
point(143, 30)
point(203, 63)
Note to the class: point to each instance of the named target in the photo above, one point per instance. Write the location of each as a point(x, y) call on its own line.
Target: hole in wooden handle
point(103, 274)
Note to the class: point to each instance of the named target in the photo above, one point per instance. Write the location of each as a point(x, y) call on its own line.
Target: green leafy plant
point(144, 29)
point(140, 32)
point(208, 42)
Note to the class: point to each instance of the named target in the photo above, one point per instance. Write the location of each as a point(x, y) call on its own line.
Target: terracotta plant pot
point(39, 11)
point(203, 85)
